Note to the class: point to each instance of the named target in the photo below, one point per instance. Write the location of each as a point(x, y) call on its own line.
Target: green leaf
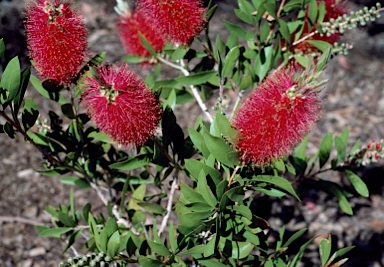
point(179, 53)
point(151, 207)
point(222, 127)
point(294, 237)
point(211, 263)
point(210, 247)
point(271, 9)
point(325, 149)
point(38, 138)
point(50, 95)
point(325, 250)
point(25, 75)
point(299, 255)
point(246, 17)
point(30, 113)
point(355, 148)
point(321, 13)
point(132, 163)
point(113, 245)
point(241, 250)
point(172, 237)
point(342, 251)
point(230, 61)
point(8, 129)
point(55, 232)
point(68, 111)
point(321, 45)
point(190, 194)
point(243, 211)
point(196, 79)
point(284, 30)
point(171, 100)
point(76, 181)
point(198, 140)
point(134, 59)
point(72, 239)
point(194, 167)
point(312, 12)
point(357, 183)
point(147, 45)
point(159, 248)
point(204, 190)
point(66, 219)
point(2, 48)
point(10, 80)
point(301, 149)
point(341, 144)
point(263, 62)
point(103, 137)
point(264, 31)
point(149, 262)
point(278, 181)
point(195, 250)
point(210, 12)
point(221, 150)
point(336, 191)
point(235, 29)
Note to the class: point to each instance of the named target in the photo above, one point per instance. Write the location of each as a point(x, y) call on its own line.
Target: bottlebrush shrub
point(56, 37)
point(211, 176)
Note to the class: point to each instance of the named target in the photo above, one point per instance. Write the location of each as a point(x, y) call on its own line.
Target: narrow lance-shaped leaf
point(30, 113)
point(357, 183)
point(230, 61)
point(10, 80)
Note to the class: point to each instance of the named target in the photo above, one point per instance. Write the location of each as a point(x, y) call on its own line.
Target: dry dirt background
point(355, 97)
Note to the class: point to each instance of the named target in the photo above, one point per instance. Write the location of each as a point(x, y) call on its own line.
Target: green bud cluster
point(91, 259)
point(341, 49)
point(351, 21)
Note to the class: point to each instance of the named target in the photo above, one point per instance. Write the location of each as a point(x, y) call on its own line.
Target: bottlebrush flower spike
point(276, 116)
point(333, 9)
point(180, 20)
point(120, 104)
point(130, 24)
point(56, 37)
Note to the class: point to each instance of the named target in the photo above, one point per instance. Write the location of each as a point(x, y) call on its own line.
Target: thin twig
point(239, 98)
point(170, 203)
point(231, 179)
point(19, 219)
point(194, 90)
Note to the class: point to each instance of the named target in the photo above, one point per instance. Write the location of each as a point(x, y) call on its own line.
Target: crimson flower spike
point(278, 114)
point(120, 104)
point(57, 39)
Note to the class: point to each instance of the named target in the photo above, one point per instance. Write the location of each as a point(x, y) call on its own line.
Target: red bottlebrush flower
point(275, 117)
point(333, 9)
point(56, 37)
point(180, 20)
point(120, 104)
point(129, 26)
